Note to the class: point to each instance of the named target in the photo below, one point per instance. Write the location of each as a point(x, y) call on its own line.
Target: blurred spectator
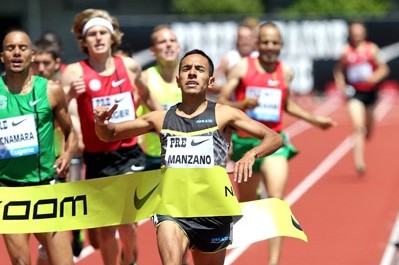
point(245, 46)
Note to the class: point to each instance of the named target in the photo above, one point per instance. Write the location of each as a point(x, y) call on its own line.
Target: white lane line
point(310, 180)
point(330, 161)
point(390, 249)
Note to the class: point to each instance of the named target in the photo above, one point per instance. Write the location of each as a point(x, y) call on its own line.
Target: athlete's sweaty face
point(269, 44)
point(45, 65)
point(357, 34)
point(98, 39)
point(194, 75)
point(246, 41)
point(17, 54)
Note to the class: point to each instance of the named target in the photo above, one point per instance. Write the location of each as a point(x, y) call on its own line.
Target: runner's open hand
point(243, 168)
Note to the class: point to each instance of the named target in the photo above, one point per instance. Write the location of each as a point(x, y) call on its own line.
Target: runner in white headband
point(97, 21)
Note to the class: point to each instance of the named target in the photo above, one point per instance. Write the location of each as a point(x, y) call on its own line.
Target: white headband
point(97, 21)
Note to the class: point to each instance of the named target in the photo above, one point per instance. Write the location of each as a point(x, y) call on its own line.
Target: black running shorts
point(368, 98)
point(121, 161)
point(207, 234)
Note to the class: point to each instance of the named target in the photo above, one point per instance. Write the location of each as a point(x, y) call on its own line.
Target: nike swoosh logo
point(117, 83)
point(33, 103)
point(273, 82)
point(194, 143)
point(135, 168)
point(139, 202)
point(295, 224)
point(119, 100)
point(15, 123)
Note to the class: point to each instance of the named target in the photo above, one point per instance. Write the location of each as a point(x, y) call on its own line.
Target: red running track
point(348, 218)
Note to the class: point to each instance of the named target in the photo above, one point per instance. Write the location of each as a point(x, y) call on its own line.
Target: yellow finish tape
point(264, 219)
point(117, 200)
point(133, 197)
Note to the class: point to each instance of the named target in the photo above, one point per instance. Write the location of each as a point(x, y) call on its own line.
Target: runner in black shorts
point(195, 136)
point(357, 73)
point(207, 234)
point(368, 98)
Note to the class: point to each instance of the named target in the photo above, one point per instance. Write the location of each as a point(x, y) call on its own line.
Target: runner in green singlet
point(29, 106)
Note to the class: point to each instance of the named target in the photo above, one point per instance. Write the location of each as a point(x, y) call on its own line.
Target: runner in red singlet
point(357, 74)
point(105, 79)
point(260, 87)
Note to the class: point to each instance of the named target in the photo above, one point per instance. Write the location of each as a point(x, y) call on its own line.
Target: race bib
point(269, 101)
point(189, 152)
point(359, 72)
point(125, 110)
point(18, 137)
